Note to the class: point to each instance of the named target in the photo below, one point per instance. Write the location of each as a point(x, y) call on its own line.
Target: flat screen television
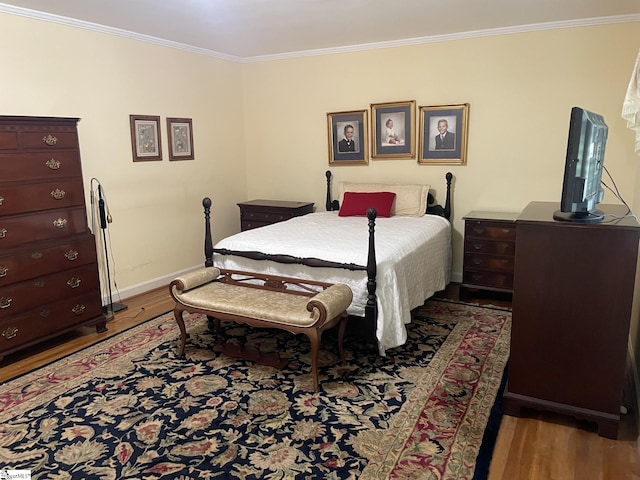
point(581, 187)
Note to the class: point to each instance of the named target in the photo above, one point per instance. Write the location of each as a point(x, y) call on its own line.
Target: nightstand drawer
point(258, 213)
point(478, 245)
point(264, 217)
point(490, 230)
point(488, 262)
point(489, 279)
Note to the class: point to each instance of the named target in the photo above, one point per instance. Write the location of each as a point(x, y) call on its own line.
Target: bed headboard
point(433, 208)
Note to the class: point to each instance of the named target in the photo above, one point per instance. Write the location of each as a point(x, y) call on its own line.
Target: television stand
point(573, 290)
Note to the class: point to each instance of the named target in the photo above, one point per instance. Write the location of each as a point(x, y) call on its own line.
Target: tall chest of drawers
point(49, 282)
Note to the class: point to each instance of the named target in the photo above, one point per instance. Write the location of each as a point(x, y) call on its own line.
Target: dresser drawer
point(49, 139)
point(23, 296)
point(490, 230)
point(488, 262)
point(21, 167)
point(488, 279)
point(264, 217)
point(49, 320)
point(41, 196)
point(16, 230)
point(479, 245)
point(41, 260)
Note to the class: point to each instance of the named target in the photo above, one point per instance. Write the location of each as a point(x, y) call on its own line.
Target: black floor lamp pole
point(112, 307)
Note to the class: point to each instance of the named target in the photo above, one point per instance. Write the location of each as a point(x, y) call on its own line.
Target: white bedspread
point(413, 256)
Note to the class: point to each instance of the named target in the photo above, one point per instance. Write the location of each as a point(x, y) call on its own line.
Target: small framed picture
point(348, 144)
point(180, 133)
point(443, 135)
point(393, 127)
point(145, 138)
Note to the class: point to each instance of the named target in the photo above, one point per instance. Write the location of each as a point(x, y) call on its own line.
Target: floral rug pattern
point(129, 408)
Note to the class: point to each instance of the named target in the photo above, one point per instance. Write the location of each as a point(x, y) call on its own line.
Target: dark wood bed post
point(371, 309)
point(208, 242)
point(447, 202)
point(327, 205)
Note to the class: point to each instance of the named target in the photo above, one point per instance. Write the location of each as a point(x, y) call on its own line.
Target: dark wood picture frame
point(146, 143)
point(343, 150)
point(180, 132)
point(453, 149)
point(393, 130)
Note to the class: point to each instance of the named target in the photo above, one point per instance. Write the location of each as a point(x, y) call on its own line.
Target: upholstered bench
point(291, 304)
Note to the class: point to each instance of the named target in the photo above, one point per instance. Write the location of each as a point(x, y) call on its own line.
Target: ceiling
point(246, 29)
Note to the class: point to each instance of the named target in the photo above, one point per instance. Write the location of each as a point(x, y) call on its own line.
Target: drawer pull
point(71, 255)
point(78, 309)
point(5, 302)
point(1, 201)
point(60, 223)
point(10, 333)
point(74, 282)
point(478, 231)
point(39, 284)
point(53, 164)
point(3, 271)
point(45, 312)
point(3, 232)
point(58, 194)
point(50, 140)
point(477, 246)
point(477, 261)
point(36, 255)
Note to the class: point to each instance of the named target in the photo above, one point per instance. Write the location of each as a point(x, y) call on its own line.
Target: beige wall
point(520, 88)
point(53, 70)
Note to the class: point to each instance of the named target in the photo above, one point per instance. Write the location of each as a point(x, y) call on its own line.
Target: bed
point(393, 257)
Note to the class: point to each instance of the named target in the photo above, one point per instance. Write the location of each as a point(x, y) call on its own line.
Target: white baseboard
point(132, 291)
point(456, 277)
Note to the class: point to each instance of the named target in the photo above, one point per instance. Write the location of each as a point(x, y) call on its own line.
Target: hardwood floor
point(540, 446)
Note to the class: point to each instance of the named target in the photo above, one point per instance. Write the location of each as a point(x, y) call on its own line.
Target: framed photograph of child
point(348, 141)
point(443, 135)
point(393, 128)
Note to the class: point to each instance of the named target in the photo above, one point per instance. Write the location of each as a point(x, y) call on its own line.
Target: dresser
point(49, 282)
point(573, 295)
point(258, 213)
point(489, 252)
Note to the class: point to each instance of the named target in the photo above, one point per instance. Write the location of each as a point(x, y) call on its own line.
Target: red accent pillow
point(357, 203)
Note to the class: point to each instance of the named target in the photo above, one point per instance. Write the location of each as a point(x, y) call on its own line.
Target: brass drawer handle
point(58, 194)
point(3, 232)
point(53, 164)
point(1, 201)
point(36, 255)
point(10, 333)
point(60, 223)
point(3, 271)
point(39, 284)
point(74, 282)
point(477, 246)
point(78, 309)
point(45, 312)
point(478, 231)
point(50, 140)
point(71, 255)
point(5, 302)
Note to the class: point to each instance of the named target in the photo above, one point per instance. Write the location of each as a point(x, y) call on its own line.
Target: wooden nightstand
point(489, 252)
point(258, 213)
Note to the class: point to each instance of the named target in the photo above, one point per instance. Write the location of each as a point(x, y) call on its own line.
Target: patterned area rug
point(128, 407)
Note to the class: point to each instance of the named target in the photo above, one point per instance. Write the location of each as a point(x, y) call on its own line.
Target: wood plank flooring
point(539, 446)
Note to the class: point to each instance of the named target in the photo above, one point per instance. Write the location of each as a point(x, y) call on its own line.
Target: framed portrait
point(348, 141)
point(145, 138)
point(393, 130)
point(443, 135)
point(180, 133)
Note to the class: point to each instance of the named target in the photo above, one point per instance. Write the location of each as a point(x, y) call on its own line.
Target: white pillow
point(411, 200)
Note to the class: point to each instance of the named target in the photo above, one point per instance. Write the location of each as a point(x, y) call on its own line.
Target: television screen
point(581, 189)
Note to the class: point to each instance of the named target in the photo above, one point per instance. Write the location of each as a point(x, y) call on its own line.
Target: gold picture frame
point(443, 134)
point(393, 130)
point(348, 138)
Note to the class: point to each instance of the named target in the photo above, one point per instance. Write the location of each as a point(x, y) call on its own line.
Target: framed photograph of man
point(348, 141)
point(393, 130)
point(443, 135)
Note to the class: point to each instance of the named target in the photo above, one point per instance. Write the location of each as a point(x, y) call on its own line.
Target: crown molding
point(48, 17)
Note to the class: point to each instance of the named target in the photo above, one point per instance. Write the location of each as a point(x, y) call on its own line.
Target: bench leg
point(314, 337)
point(341, 330)
point(177, 313)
